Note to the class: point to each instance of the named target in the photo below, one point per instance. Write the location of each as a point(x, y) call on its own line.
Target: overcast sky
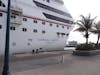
point(84, 7)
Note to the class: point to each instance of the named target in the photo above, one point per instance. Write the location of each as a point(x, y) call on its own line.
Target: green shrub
point(97, 47)
point(85, 47)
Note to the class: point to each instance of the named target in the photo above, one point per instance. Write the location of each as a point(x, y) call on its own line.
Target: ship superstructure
point(36, 25)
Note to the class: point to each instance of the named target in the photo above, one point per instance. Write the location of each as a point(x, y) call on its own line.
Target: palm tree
point(96, 30)
point(85, 25)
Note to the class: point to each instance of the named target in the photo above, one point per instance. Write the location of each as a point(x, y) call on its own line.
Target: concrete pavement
point(72, 65)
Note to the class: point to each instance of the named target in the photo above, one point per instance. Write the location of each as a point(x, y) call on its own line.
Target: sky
point(82, 7)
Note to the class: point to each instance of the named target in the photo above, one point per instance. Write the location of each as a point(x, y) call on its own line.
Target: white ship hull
point(27, 35)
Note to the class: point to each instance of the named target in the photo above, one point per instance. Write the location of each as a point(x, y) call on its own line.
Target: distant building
point(72, 44)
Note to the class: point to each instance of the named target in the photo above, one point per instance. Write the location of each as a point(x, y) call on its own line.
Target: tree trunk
point(86, 36)
point(86, 40)
point(98, 39)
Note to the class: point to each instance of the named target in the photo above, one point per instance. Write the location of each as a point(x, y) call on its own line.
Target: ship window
point(35, 21)
point(58, 34)
point(43, 32)
point(0, 26)
point(63, 33)
point(40, 48)
point(48, 0)
point(14, 44)
point(30, 40)
point(13, 16)
point(62, 26)
point(1, 14)
point(28, 44)
point(57, 25)
point(55, 18)
point(24, 19)
point(2, 4)
point(67, 34)
point(35, 30)
point(50, 24)
point(43, 23)
point(67, 27)
point(12, 28)
point(24, 29)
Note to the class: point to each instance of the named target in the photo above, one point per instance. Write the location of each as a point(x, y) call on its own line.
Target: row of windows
point(56, 18)
point(35, 31)
point(58, 33)
point(14, 17)
point(2, 4)
point(52, 9)
point(35, 21)
point(43, 22)
point(25, 29)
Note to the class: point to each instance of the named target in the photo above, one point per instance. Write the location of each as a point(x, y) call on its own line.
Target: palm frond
point(80, 29)
point(96, 29)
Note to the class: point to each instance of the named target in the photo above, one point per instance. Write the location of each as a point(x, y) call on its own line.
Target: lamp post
point(6, 57)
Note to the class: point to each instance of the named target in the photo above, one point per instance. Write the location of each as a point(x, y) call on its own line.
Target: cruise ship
point(36, 25)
